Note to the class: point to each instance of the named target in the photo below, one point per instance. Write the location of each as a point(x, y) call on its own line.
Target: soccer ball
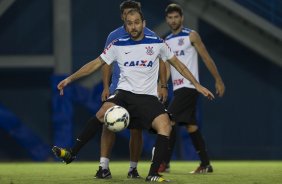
point(116, 118)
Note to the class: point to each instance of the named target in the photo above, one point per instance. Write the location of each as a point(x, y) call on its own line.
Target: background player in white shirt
point(137, 57)
point(186, 44)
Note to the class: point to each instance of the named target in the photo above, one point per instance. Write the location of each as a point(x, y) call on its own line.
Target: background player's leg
point(200, 146)
point(107, 142)
point(135, 148)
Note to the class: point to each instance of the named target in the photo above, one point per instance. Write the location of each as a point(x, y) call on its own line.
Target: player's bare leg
point(135, 148)
point(107, 142)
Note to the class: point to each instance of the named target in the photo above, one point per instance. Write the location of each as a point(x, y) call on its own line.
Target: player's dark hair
point(136, 11)
point(173, 8)
point(129, 4)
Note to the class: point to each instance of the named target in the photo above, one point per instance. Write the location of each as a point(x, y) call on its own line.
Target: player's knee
point(192, 128)
point(100, 115)
point(165, 129)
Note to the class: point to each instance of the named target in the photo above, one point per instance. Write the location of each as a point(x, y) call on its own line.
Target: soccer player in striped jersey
point(137, 56)
point(186, 44)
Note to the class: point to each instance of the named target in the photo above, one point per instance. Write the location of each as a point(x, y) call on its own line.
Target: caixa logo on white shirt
point(143, 63)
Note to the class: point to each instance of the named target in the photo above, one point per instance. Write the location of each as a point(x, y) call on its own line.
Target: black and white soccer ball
point(116, 118)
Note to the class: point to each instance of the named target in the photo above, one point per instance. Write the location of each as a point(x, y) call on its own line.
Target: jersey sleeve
point(166, 52)
point(109, 54)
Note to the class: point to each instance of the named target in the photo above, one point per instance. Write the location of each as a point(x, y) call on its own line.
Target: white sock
point(132, 165)
point(104, 162)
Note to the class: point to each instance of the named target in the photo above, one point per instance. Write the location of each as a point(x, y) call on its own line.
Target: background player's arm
point(106, 75)
point(167, 67)
point(201, 49)
point(184, 71)
point(106, 72)
point(162, 87)
point(87, 69)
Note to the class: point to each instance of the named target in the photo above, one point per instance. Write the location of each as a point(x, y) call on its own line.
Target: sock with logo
point(132, 165)
point(91, 128)
point(172, 139)
point(104, 162)
point(161, 147)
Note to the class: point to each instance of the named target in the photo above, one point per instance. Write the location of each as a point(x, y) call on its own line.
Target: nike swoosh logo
point(127, 52)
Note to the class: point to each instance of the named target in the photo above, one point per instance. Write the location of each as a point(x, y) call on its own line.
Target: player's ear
point(144, 23)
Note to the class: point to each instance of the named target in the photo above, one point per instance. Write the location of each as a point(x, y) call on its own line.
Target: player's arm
point(162, 89)
point(106, 75)
point(185, 72)
point(201, 49)
point(83, 71)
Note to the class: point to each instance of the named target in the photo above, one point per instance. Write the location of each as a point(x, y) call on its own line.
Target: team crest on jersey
point(149, 50)
point(181, 41)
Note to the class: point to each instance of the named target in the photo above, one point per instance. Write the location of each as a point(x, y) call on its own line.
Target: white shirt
point(138, 62)
point(187, 54)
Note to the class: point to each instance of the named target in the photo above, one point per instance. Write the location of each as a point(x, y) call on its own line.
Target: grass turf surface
point(226, 172)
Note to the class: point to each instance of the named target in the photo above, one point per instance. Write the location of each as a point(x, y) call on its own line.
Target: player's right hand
point(63, 84)
point(105, 94)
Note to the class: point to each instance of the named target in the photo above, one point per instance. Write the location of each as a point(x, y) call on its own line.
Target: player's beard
point(135, 34)
point(175, 26)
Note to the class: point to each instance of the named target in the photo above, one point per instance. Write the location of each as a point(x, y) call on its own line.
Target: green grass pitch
point(226, 172)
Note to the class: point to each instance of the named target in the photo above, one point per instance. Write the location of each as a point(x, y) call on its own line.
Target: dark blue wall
point(245, 124)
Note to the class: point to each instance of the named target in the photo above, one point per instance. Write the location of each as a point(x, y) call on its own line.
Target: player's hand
point(105, 94)
point(62, 85)
point(162, 94)
point(220, 88)
point(204, 91)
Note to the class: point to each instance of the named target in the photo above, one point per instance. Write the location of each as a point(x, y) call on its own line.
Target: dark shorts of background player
point(143, 109)
point(183, 106)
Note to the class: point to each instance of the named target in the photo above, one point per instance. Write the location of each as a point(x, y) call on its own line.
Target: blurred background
point(42, 41)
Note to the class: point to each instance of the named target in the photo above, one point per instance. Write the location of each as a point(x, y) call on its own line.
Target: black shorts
point(143, 109)
point(183, 106)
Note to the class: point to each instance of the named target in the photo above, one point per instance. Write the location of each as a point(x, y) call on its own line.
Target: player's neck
point(176, 31)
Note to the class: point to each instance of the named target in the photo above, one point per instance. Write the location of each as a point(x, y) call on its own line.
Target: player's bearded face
point(134, 25)
point(174, 20)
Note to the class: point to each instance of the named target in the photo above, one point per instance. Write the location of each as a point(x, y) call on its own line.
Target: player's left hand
point(204, 91)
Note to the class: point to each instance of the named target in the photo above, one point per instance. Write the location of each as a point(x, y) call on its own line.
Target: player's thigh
point(101, 112)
